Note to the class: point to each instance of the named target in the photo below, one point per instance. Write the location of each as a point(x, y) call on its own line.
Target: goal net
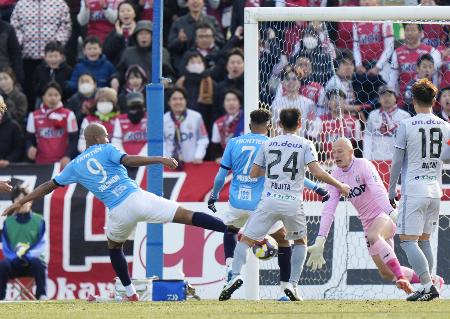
point(349, 70)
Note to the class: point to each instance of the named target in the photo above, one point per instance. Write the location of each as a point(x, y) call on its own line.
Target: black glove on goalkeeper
point(394, 202)
point(211, 205)
point(324, 193)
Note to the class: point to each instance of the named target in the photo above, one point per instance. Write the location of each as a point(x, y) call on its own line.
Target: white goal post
point(252, 18)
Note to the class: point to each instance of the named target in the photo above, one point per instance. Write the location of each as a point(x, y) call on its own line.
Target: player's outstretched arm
point(323, 176)
point(136, 160)
point(40, 191)
point(309, 184)
point(257, 171)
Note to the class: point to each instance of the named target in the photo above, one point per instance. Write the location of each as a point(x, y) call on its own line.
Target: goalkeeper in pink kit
point(369, 196)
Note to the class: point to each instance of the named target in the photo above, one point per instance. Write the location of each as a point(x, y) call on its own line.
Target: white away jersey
point(422, 137)
point(284, 158)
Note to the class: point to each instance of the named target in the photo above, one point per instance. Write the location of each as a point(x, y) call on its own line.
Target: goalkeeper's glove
point(211, 205)
point(394, 202)
point(316, 260)
point(324, 193)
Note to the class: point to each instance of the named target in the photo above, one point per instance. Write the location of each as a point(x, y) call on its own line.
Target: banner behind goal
point(349, 70)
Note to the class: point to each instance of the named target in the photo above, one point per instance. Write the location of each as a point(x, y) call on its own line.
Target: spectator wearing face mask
point(199, 88)
point(135, 80)
point(105, 113)
point(82, 102)
point(204, 44)
point(130, 129)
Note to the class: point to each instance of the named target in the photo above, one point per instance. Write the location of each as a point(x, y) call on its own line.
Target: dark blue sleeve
point(38, 247)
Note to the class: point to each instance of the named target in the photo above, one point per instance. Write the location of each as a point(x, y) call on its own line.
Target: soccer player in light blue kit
point(245, 193)
point(101, 169)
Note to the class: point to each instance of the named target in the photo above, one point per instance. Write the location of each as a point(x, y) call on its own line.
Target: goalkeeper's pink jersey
point(367, 194)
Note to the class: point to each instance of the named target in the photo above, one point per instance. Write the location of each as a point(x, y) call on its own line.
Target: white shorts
point(238, 217)
point(417, 215)
point(260, 223)
point(141, 206)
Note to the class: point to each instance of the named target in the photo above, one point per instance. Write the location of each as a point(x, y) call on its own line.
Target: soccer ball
point(266, 249)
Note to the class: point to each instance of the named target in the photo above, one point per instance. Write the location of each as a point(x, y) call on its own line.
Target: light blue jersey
point(99, 170)
point(245, 192)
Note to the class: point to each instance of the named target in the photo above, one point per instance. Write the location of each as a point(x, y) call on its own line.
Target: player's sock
point(425, 246)
point(240, 258)
point(229, 243)
point(297, 261)
point(410, 275)
point(427, 286)
point(208, 222)
point(284, 262)
point(417, 260)
point(387, 254)
point(130, 290)
point(120, 266)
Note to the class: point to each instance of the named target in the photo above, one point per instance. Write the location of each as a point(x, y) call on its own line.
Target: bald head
point(343, 152)
point(344, 143)
point(95, 133)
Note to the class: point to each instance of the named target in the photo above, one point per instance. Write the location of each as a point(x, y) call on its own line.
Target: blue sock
point(120, 265)
point(284, 262)
point(208, 222)
point(229, 243)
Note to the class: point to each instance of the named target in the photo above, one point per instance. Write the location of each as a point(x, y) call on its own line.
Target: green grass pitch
point(231, 309)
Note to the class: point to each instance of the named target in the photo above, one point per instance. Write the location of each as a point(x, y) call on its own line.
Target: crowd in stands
point(65, 64)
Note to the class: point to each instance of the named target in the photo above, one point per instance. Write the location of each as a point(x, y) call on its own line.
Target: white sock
point(283, 285)
point(427, 286)
point(130, 290)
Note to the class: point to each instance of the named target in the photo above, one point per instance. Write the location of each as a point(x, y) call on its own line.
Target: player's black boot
point(416, 295)
point(428, 296)
point(230, 287)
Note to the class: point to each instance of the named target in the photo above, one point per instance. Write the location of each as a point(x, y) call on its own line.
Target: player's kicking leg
point(378, 235)
point(257, 227)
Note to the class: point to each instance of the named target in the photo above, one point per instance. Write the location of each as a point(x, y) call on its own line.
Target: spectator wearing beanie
point(199, 88)
point(105, 113)
point(135, 80)
point(141, 53)
point(130, 129)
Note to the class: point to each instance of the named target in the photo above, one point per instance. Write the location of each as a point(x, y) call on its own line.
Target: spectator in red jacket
point(99, 16)
point(52, 129)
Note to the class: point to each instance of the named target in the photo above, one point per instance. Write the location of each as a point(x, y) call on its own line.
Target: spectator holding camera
point(23, 239)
